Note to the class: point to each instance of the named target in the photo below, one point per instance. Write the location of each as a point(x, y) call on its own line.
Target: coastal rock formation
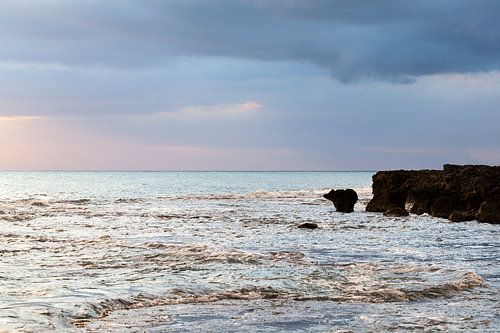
point(456, 192)
point(343, 200)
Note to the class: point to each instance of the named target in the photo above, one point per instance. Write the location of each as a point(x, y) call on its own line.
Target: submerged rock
point(343, 200)
point(440, 192)
point(308, 225)
point(396, 211)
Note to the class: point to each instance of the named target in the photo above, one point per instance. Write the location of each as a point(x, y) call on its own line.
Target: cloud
point(14, 119)
point(220, 110)
point(381, 39)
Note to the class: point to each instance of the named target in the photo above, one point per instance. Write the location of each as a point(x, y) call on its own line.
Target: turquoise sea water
point(221, 252)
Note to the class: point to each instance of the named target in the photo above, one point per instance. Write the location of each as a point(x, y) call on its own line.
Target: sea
point(222, 252)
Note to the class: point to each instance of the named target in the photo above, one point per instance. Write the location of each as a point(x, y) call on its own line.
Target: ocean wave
point(363, 194)
point(81, 201)
point(39, 202)
point(205, 254)
point(174, 258)
point(193, 257)
point(177, 296)
point(27, 209)
point(129, 200)
point(16, 216)
point(375, 283)
point(265, 195)
point(466, 282)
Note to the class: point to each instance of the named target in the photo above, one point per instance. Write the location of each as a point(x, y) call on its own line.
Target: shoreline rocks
point(343, 200)
point(458, 192)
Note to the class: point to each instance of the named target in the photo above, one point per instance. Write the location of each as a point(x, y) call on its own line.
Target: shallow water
point(175, 251)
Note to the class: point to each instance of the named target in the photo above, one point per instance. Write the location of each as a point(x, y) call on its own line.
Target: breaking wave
point(263, 195)
point(466, 282)
point(178, 296)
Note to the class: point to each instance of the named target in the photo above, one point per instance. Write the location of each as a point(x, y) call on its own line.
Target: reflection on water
point(226, 256)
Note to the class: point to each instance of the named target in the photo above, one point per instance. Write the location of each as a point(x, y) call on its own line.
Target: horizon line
point(159, 170)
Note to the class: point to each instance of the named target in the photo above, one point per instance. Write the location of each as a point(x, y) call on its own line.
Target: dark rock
point(308, 225)
point(461, 216)
point(389, 190)
point(472, 199)
point(343, 200)
point(489, 211)
point(396, 211)
point(437, 192)
point(442, 207)
point(420, 207)
point(495, 192)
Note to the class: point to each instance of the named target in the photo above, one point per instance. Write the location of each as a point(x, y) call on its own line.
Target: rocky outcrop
point(343, 200)
point(456, 192)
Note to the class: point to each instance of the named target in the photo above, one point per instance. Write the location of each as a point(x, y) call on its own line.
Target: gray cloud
point(380, 39)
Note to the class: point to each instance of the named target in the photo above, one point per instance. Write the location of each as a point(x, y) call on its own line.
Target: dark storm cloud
point(381, 39)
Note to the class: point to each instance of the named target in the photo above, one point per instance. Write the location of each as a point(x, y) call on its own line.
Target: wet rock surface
point(458, 192)
point(308, 225)
point(396, 211)
point(461, 216)
point(343, 200)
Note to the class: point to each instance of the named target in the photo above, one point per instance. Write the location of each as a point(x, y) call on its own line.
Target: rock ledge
point(458, 192)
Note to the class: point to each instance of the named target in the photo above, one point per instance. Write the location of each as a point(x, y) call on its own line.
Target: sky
point(248, 84)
